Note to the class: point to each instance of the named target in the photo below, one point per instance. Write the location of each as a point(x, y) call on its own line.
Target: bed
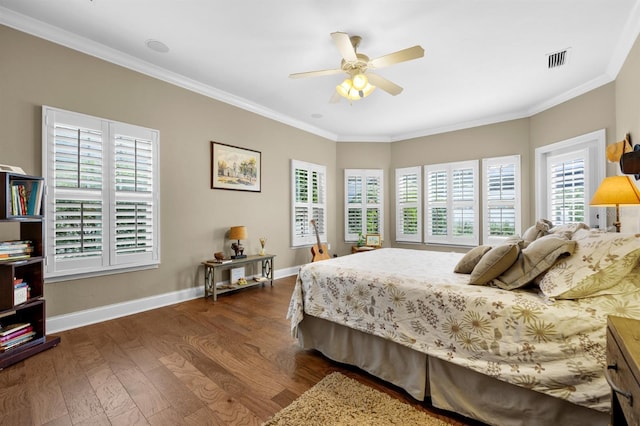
point(529, 353)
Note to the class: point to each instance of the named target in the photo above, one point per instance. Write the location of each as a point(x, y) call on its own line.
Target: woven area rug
point(339, 400)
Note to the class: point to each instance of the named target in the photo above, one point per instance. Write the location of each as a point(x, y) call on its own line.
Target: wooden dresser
point(623, 370)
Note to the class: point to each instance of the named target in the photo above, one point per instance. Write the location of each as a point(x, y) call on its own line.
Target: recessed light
point(316, 115)
point(157, 46)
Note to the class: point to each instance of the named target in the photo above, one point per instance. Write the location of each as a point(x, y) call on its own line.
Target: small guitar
point(319, 251)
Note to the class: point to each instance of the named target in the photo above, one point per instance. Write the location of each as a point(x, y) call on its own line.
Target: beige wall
point(194, 218)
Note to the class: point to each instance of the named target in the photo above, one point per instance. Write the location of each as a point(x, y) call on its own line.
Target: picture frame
point(235, 168)
point(373, 240)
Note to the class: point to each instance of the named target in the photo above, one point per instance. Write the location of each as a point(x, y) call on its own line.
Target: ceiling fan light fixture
point(347, 89)
point(360, 81)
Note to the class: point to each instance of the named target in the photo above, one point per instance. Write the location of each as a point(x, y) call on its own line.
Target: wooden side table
point(623, 370)
point(361, 249)
point(213, 272)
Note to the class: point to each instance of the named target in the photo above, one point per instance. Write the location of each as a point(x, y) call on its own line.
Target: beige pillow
point(600, 261)
point(495, 262)
point(471, 259)
point(572, 228)
point(536, 258)
point(540, 229)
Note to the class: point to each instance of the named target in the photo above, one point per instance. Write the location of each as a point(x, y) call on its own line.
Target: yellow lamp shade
point(360, 81)
point(238, 233)
point(616, 190)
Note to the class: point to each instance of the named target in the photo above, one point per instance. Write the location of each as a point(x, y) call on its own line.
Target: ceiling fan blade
point(386, 85)
point(343, 42)
point(403, 55)
point(316, 73)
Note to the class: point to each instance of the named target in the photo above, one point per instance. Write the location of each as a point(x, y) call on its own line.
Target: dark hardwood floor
point(199, 362)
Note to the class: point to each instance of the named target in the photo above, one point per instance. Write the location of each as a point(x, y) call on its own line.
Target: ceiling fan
point(361, 82)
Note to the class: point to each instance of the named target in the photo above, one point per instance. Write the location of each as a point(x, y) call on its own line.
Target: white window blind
point(566, 197)
point(102, 198)
point(364, 197)
point(501, 198)
point(308, 193)
point(408, 204)
point(451, 195)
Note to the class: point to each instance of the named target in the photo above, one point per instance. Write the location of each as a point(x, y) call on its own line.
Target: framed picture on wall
point(235, 168)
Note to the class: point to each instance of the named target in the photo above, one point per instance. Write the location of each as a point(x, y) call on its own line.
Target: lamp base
point(239, 256)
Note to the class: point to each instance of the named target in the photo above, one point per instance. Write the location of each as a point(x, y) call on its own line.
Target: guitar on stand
point(319, 251)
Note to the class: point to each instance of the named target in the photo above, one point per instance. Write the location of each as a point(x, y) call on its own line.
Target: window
point(363, 204)
point(102, 199)
point(567, 175)
point(451, 193)
point(501, 198)
point(308, 193)
point(408, 205)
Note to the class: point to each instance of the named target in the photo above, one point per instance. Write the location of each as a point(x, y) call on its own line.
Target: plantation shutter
point(77, 238)
point(452, 203)
point(501, 198)
point(567, 197)
point(363, 202)
point(133, 228)
point(408, 205)
point(308, 189)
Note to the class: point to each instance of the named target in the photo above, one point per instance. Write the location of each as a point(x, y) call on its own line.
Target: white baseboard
point(58, 323)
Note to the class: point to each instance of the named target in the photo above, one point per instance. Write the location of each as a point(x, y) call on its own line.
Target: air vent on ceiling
point(557, 59)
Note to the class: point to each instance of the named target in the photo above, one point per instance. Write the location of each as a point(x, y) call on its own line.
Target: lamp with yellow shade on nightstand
point(615, 191)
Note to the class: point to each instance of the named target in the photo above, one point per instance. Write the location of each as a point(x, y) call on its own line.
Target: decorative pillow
point(471, 259)
point(495, 262)
point(536, 258)
point(599, 262)
point(540, 229)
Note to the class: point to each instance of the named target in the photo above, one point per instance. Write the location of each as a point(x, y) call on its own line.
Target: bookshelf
point(21, 271)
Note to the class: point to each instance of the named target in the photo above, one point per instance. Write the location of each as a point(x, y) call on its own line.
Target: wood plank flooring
point(230, 362)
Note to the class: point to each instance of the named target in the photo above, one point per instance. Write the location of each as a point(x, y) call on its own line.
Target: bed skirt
point(450, 387)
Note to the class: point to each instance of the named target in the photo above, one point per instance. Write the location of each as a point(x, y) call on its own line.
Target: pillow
point(599, 262)
point(535, 259)
point(471, 259)
point(495, 262)
point(540, 229)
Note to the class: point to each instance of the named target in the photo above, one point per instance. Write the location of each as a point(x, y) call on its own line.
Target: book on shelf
point(220, 261)
point(26, 197)
point(16, 334)
point(12, 328)
point(24, 338)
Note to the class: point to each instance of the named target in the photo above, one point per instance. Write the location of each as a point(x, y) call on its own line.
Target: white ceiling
point(485, 60)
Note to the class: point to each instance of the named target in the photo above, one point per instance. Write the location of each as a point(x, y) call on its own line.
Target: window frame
point(364, 205)
point(451, 204)
point(307, 236)
point(486, 203)
point(110, 259)
point(595, 170)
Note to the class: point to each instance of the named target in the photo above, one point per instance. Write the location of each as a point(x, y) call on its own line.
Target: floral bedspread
point(414, 298)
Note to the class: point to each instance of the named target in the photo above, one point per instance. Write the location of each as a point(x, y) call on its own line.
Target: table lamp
point(614, 191)
point(238, 233)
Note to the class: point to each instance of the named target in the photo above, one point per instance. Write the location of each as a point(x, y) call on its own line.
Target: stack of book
point(26, 197)
point(12, 250)
point(15, 335)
